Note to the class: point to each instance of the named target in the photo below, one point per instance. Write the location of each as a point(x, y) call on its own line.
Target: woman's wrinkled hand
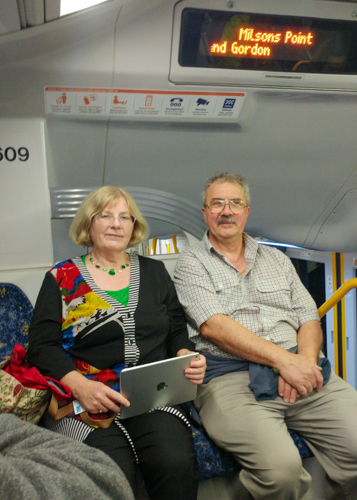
point(197, 369)
point(94, 396)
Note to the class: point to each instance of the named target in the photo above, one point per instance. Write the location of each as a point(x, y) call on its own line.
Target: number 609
point(10, 154)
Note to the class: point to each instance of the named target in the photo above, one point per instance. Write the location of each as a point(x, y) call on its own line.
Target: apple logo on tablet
point(161, 386)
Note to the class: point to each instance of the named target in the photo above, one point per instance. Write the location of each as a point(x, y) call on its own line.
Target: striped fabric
point(131, 350)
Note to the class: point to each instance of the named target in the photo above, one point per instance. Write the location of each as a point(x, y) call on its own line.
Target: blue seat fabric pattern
point(15, 317)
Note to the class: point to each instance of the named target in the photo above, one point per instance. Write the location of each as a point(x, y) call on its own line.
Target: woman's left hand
point(197, 369)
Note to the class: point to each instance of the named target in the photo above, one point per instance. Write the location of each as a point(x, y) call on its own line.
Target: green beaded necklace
point(111, 271)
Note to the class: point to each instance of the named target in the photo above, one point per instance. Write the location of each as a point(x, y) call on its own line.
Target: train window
point(166, 245)
point(312, 274)
point(264, 42)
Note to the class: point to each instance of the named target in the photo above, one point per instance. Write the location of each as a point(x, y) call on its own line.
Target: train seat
point(15, 317)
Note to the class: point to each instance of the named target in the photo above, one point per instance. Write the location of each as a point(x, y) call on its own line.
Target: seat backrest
point(15, 317)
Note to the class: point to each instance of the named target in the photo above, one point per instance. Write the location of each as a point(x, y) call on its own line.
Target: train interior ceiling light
point(69, 6)
point(23, 14)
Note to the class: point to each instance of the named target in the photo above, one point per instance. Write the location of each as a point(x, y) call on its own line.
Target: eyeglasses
point(107, 219)
point(216, 206)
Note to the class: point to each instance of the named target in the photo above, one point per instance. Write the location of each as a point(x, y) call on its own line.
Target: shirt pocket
point(274, 292)
point(222, 280)
point(228, 290)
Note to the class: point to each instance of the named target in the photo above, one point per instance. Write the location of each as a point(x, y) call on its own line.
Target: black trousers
point(164, 446)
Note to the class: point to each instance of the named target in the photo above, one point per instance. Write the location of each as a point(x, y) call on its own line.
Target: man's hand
point(299, 371)
point(288, 393)
point(298, 375)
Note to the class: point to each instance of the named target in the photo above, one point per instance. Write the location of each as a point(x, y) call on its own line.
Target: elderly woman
point(105, 310)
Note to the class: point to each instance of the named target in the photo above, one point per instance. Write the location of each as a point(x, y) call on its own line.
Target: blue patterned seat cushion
point(213, 461)
point(15, 317)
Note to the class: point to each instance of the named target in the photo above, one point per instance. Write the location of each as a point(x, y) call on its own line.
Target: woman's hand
point(197, 369)
point(95, 397)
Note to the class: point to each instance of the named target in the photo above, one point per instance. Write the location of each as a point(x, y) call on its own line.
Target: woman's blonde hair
point(94, 203)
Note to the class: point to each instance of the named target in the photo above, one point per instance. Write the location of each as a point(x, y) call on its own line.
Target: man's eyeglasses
point(236, 206)
point(107, 219)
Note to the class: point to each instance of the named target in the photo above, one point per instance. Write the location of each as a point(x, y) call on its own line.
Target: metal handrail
point(337, 296)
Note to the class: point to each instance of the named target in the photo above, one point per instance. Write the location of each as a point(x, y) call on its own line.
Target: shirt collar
point(250, 251)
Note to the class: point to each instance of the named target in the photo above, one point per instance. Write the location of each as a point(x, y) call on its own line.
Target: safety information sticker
point(121, 104)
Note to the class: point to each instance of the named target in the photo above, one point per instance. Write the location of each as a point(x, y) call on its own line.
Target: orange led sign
point(247, 41)
point(244, 35)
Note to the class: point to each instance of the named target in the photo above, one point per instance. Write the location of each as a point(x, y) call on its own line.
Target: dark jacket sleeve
point(45, 347)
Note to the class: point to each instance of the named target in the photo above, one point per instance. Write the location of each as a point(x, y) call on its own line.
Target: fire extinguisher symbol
point(148, 101)
point(90, 98)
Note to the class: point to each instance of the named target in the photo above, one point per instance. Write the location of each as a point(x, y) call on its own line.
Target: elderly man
point(249, 313)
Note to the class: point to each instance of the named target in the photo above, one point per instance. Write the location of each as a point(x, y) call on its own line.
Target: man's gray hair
point(227, 177)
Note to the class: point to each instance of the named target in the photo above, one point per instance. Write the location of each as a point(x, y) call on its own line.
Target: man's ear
point(203, 210)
